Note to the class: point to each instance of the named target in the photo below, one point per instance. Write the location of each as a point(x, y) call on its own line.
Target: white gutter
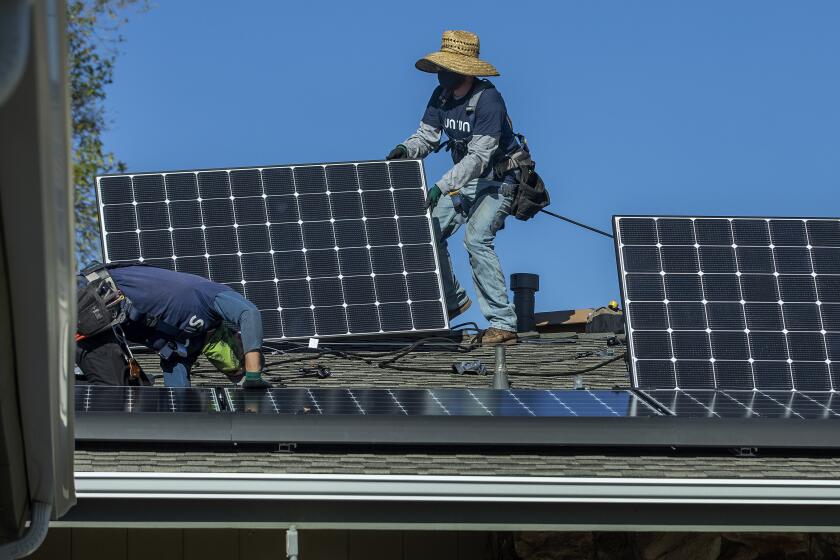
point(486, 489)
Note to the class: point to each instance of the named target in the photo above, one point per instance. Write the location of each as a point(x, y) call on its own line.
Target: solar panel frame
point(642, 270)
point(397, 312)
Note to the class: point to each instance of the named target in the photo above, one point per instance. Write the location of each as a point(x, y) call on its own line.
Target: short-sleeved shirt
point(490, 118)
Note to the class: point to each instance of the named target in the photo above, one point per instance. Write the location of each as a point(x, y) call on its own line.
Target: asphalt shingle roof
point(549, 463)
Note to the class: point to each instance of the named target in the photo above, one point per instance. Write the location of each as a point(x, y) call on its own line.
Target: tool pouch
point(531, 195)
point(98, 309)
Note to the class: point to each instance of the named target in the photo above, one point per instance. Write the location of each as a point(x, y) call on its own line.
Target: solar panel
point(439, 402)
point(98, 398)
point(709, 403)
point(731, 303)
point(321, 249)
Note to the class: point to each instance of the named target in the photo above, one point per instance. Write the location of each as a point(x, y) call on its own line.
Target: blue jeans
point(176, 370)
point(484, 210)
point(233, 308)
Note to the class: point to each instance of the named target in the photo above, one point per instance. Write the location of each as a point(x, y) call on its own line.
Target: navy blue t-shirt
point(490, 118)
point(184, 301)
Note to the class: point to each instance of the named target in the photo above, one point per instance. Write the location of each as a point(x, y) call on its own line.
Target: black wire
point(538, 374)
point(571, 221)
point(593, 367)
point(473, 326)
point(411, 348)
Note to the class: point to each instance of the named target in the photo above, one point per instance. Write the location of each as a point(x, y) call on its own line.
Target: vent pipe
point(500, 378)
point(524, 286)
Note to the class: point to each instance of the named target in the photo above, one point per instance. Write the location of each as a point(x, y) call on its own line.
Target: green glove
point(433, 197)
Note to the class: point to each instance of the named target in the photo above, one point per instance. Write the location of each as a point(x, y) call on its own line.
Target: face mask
point(450, 80)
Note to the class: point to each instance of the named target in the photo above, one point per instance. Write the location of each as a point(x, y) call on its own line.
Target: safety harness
point(529, 193)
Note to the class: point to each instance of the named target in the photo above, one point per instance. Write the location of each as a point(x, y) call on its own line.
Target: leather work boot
point(452, 313)
point(498, 336)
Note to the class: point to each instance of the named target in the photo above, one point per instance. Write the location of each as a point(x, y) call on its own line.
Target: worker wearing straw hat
point(473, 115)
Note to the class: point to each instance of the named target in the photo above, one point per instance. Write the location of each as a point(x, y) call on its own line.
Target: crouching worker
point(177, 315)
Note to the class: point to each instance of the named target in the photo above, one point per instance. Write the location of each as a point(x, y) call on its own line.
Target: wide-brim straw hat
point(458, 53)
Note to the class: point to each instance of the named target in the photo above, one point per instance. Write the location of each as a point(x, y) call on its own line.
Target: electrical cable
point(593, 367)
point(572, 373)
point(575, 222)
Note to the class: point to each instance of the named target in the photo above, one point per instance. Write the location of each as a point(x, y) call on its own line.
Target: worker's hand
point(433, 197)
point(397, 153)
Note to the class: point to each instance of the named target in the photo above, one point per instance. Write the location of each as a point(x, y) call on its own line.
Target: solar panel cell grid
point(97, 398)
point(731, 303)
point(439, 402)
point(331, 235)
point(705, 403)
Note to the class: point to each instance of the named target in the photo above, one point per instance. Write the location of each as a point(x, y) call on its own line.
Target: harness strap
point(154, 322)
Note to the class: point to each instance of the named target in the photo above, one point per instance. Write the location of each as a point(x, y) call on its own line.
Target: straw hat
point(458, 53)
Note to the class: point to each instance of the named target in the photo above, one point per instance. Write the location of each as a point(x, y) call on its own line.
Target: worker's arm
point(423, 142)
point(473, 165)
point(490, 114)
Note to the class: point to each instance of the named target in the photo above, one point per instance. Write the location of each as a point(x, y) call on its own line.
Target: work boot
point(452, 313)
point(498, 336)
point(255, 381)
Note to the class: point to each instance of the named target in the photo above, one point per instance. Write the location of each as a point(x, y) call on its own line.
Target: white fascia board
point(406, 488)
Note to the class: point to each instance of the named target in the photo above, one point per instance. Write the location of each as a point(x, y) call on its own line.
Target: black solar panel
point(731, 303)
point(322, 250)
point(97, 398)
point(710, 403)
point(439, 402)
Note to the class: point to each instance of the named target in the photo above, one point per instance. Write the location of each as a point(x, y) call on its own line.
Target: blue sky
point(655, 107)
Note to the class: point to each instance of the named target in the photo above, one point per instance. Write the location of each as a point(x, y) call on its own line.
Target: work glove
point(397, 153)
point(254, 380)
point(433, 197)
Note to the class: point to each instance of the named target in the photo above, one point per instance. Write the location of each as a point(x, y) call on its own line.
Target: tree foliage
point(93, 38)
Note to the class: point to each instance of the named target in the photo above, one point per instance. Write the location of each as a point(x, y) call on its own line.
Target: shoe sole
point(502, 343)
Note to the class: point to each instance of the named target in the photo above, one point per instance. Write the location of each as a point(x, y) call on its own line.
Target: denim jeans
point(233, 308)
point(484, 210)
point(176, 370)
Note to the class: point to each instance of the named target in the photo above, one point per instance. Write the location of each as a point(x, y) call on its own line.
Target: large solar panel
point(98, 398)
point(731, 303)
point(322, 250)
point(439, 402)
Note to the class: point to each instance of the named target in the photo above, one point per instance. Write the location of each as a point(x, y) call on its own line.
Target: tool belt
point(530, 195)
point(101, 304)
